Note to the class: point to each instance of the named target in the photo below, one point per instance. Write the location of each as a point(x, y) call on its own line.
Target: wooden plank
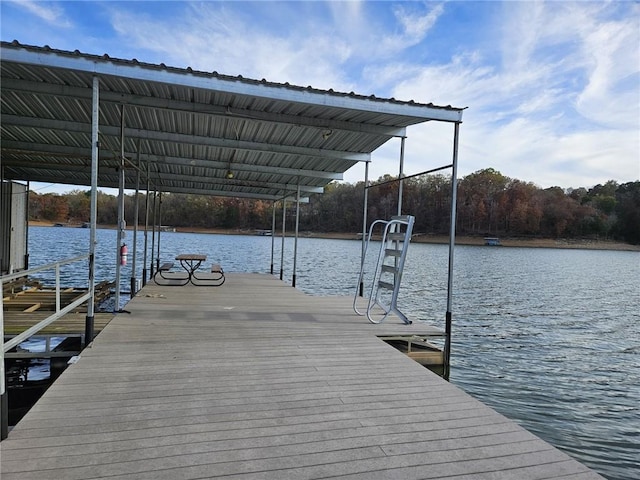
point(70, 324)
point(256, 380)
point(32, 308)
point(21, 299)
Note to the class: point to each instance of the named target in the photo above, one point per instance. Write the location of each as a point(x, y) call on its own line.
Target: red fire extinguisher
point(124, 251)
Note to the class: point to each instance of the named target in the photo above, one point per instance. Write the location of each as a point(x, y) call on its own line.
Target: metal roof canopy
point(187, 129)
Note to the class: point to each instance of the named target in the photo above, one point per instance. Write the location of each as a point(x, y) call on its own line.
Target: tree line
point(489, 204)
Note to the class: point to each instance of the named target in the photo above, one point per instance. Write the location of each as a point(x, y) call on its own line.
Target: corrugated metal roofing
point(189, 127)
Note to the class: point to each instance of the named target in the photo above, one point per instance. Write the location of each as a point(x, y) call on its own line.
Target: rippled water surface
point(549, 338)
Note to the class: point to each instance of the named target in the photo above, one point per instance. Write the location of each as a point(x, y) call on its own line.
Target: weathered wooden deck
point(255, 380)
point(72, 324)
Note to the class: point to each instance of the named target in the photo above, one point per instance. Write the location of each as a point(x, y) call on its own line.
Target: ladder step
point(387, 285)
point(396, 236)
point(391, 252)
point(389, 269)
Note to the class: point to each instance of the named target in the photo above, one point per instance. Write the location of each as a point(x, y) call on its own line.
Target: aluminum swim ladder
point(387, 274)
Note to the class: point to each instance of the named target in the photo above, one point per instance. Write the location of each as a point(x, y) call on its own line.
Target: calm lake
point(550, 338)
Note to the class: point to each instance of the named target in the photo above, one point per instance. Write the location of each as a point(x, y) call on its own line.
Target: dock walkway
point(256, 380)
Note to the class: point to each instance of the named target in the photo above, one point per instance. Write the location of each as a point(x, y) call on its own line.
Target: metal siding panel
point(5, 226)
point(18, 226)
point(14, 235)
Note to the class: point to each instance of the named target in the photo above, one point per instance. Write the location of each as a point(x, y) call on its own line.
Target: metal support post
point(146, 231)
point(400, 195)
point(284, 222)
point(159, 229)
point(121, 227)
point(4, 399)
point(4, 407)
point(135, 229)
point(401, 176)
point(153, 236)
point(364, 222)
point(95, 146)
point(26, 226)
point(295, 240)
point(452, 241)
point(273, 234)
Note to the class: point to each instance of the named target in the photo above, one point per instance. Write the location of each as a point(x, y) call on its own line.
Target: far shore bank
point(588, 244)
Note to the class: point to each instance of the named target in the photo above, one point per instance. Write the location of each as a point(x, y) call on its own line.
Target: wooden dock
point(255, 380)
point(40, 299)
point(72, 324)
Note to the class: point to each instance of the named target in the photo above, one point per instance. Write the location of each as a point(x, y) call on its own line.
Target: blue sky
point(552, 88)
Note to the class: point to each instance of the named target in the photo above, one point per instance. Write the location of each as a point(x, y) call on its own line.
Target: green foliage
point(489, 203)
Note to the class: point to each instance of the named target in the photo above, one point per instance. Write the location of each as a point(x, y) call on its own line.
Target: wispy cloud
point(557, 119)
point(415, 25)
point(50, 12)
point(612, 94)
point(216, 37)
point(553, 88)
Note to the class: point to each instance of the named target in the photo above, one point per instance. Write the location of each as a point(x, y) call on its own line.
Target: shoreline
point(561, 243)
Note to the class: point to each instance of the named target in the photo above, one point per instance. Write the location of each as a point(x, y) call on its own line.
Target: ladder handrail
point(394, 224)
point(375, 284)
point(362, 262)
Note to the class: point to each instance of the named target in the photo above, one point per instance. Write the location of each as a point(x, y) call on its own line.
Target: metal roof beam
point(199, 108)
point(114, 131)
point(84, 180)
point(85, 153)
point(70, 170)
point(161, 178)
point(243, 167)
point(94, 65)
point(78, 177)
point(221, 193)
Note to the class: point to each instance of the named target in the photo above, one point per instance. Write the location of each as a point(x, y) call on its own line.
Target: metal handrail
point(18, 339)
point(49, 266)
point(362, 261)
point(389, 227)
point(60, 312)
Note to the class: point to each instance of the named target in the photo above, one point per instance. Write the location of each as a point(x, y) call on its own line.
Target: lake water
point(550, 338)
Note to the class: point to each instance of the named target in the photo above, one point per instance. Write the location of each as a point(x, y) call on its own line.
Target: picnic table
point(191, 262)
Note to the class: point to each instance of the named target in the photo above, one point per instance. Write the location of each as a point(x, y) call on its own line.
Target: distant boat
point(263, 233)
point(492, 241)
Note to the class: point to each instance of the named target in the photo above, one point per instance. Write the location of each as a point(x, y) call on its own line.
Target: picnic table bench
point(191, 263)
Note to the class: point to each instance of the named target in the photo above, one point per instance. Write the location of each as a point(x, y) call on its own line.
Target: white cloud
point(326, 45)
point(589, 49)
point(560, 106)
point(212, 37)
point(561, 109)
point(612, 95)
point(414, 27)
point(48, 11)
